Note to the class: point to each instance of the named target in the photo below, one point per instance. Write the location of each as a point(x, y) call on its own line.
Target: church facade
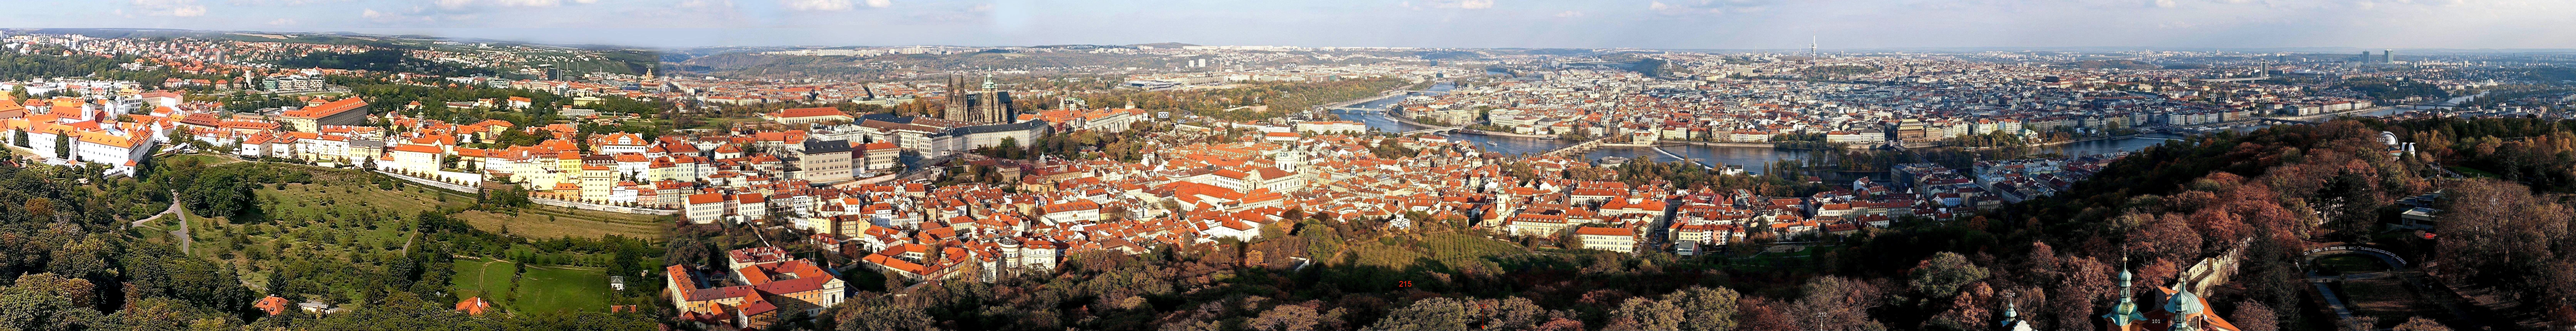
point(986, 105)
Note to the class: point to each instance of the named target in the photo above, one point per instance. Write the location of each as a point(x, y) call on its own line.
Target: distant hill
point(1164, 45)
point(2111, 64)
point(1449, 55)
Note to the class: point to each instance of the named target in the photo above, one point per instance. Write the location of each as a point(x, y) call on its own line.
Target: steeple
point(2124, 315)
point(956, 109)
point(2012, 315)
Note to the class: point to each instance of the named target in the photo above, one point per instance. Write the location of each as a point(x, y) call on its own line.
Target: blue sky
point(1721, 24)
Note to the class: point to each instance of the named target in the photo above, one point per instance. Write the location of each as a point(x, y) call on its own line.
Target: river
point(1754, 159)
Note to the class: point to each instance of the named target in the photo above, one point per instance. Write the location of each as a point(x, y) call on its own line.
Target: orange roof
point(416, 149)
point(273, 305)
point(473, 306)
point(810, 112)
point(1599, 231)
point(327, 109)
point(706, 198)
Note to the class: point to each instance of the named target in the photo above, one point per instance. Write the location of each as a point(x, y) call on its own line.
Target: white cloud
point(1569, 13)
point(1458, 4)
point(454, 4)
point(880, 3)
point(822, 5)
point(2165, 3)
point(279, 2)
point(416, 16)
point(282, 21)
point(180, 8)
point(528, 3)
point(1711, 7)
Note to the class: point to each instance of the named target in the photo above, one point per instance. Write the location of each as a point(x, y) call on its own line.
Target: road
point(186, 239)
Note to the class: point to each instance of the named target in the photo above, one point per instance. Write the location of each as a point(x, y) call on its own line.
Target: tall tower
point(1812, 55)
point(990, 105)
point(2125, 316)
point(2387, 56)
point(956, 103)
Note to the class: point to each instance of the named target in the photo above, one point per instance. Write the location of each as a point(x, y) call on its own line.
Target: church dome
point(2183, 303)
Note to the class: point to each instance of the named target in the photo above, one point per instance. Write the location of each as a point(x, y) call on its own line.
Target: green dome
point(2183, 303)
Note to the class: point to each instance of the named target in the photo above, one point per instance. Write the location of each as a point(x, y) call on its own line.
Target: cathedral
point(2180, 310)
point(986, 106)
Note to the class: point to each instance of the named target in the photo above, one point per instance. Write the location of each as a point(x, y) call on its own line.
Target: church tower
point(2012, 316)
point(2125, 316)
point(992, 106)
point(956, 109)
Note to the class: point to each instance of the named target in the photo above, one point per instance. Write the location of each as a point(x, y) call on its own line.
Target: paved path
point(186, 238)
point(2331, 301)
point(174, 208)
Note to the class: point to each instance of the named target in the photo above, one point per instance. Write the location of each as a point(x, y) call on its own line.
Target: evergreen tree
point(62, 145)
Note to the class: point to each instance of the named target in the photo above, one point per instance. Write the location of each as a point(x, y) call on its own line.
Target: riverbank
point(2053, 143)
point(1399, 118)
point(1504, 134)
point(1711, 143)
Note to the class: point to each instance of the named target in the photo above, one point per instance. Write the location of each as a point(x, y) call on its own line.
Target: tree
point(1514, 313)
point(1836, 303)
point(1639, 313)
point(1706, 309)
point(1286, 318)
point(2254, 316)
point(1944, 274)
point(62, 146)
point(881, 313)
point(1428, 314)
point(2419, 323)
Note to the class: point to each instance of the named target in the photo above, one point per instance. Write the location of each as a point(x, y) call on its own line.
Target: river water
point(1754, 159)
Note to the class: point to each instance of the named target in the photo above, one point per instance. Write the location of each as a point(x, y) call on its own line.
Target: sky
point(1667, 24)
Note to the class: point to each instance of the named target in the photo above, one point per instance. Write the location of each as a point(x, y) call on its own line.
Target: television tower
point(1812, 55)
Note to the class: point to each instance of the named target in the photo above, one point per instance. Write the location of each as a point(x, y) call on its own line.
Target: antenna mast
point(1813, 56)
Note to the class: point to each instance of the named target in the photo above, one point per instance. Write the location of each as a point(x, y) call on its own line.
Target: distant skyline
point(1668, 24)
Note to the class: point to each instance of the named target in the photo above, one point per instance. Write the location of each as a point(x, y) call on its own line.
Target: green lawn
point(541, 289)
point(1453, 250)
point(2466, 171)
point(2388, 299)
point(2351, 263)
point(482, 278)
point(559, 288)
point(1766, 260)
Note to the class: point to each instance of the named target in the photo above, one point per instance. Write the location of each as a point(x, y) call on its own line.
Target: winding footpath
point(186, 239)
